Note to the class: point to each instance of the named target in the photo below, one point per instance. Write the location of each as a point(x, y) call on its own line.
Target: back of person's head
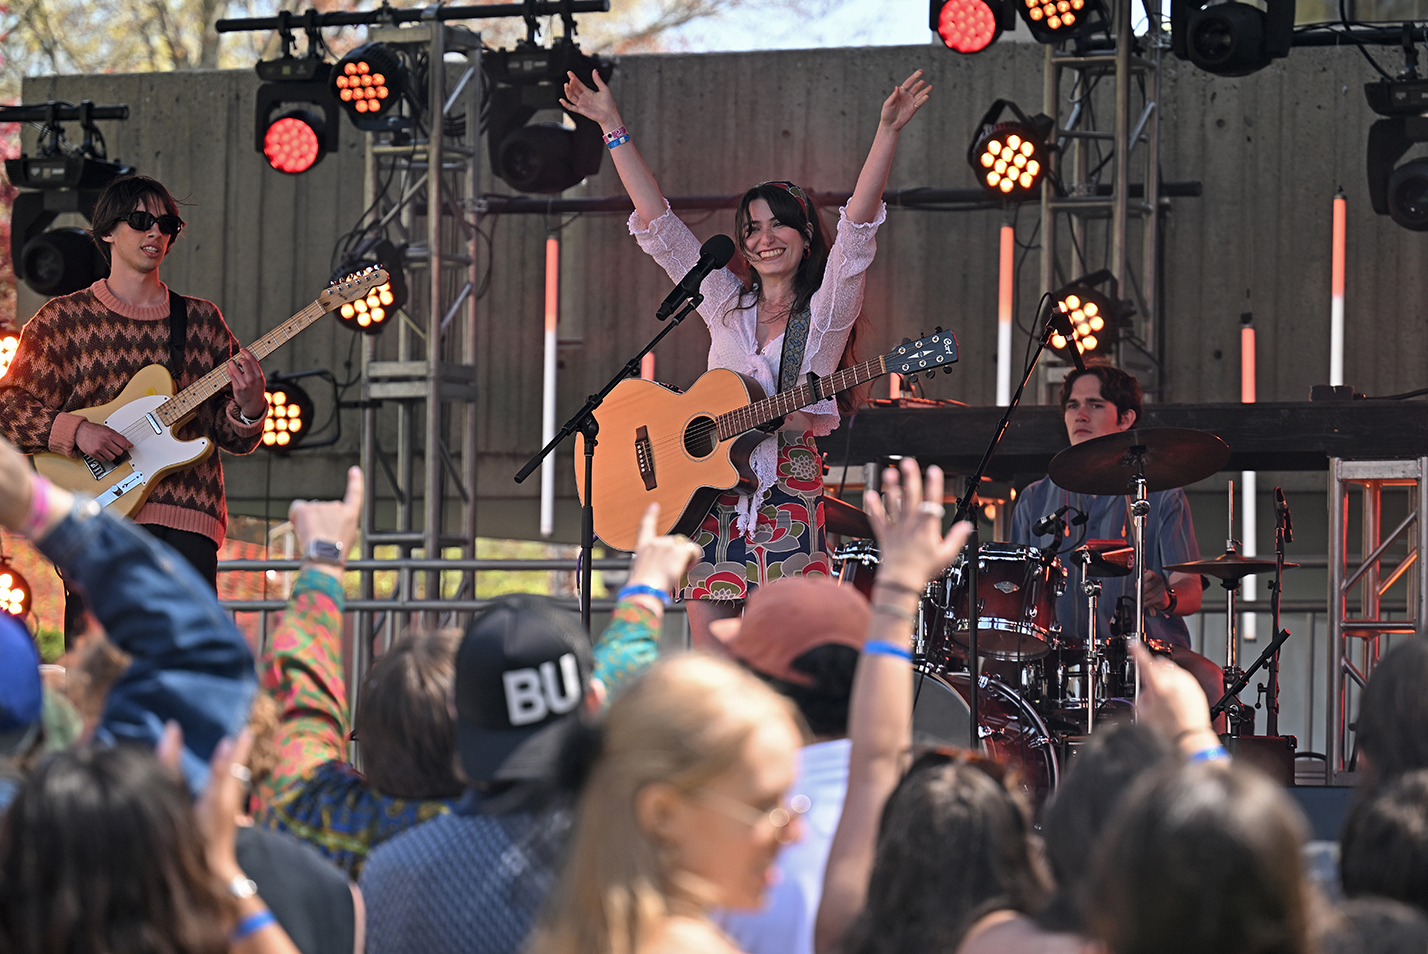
point(101, 854)
point(1117, 386)
point(21, 692)
point(1376, 926)
point(1089, 797)
point(954, 845)
point(683, 723)
point(1205, 857)
point(1384, 845)
point(1393, 715)
point(404, 722)
point(803, 635)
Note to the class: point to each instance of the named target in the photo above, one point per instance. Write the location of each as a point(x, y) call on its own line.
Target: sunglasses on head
point(141, 220)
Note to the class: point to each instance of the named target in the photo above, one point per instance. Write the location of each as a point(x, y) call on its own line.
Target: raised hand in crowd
point(1172, 701)
point(659, 562)
point(327, 529)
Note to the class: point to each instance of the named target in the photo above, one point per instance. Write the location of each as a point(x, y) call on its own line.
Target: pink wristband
point(614, 134)
point(39, 506)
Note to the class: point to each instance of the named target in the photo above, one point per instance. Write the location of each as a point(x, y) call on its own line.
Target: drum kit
point(1040, 689)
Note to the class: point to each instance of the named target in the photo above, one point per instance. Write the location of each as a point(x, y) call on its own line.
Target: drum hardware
point(1091, 589)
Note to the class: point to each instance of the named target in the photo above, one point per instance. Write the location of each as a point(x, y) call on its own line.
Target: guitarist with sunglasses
point(80, 350)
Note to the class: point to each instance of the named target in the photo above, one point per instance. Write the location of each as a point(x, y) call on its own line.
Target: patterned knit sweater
point(80, 350)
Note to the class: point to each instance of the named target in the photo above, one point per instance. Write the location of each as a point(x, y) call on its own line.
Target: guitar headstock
point(352, 287)
point(923, 355)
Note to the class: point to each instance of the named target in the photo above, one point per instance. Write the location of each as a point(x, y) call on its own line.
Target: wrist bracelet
point(643, 589)
point(1213, 754)
point(249, 421)
point(616, 133)
point(612, 143)
point(251, 925)
point(1170, 607)
point(881, 647)
point(888, 609)
point(897, 587)
point(39, 506)
point(1188, 732)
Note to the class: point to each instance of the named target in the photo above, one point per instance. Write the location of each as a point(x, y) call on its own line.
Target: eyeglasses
point(780, 818)
point(141, 220)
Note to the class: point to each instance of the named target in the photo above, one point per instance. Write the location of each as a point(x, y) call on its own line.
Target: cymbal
point(1169, 457)
point(1107, 558)
point(1228, 566)
point(844, 518)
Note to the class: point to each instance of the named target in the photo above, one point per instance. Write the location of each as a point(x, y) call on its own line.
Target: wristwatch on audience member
point(325, 551)
point(250, 421)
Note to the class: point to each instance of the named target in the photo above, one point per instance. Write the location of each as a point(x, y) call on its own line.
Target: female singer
point(800, 302)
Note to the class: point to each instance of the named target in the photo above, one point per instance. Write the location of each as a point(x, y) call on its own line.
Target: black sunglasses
point(141, 220)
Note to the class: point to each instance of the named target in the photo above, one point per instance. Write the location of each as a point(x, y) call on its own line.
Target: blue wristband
point(881, 647)
point(251, 925)
point(643, 589)
point(1212, 754)
point(618, 142)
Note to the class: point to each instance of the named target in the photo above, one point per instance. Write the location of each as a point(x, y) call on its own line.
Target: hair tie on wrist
point(643, 589)
point(881, 647)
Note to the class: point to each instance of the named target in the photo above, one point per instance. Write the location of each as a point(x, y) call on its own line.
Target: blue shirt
point(1169, 539)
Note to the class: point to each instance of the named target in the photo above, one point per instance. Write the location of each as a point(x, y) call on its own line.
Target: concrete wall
point(1272, 149)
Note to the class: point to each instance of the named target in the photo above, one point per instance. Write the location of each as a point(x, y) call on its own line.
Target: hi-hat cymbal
point(1169, 457)
point(1228, 566)
point(844, 518)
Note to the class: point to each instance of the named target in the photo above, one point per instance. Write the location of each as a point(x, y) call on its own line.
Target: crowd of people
point(523, 787)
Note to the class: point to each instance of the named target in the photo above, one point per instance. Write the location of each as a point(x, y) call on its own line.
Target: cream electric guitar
point(684, 450)
point(148, 412)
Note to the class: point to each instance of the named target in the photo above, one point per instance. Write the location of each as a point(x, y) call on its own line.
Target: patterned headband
point(793, 190)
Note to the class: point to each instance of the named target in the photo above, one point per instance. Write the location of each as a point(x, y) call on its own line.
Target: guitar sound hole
point(700, 437)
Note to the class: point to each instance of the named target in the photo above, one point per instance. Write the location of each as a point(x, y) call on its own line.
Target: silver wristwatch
point(325, 551)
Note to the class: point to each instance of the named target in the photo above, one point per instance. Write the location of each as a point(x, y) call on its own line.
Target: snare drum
point(1011, 731)
point(1017, 588)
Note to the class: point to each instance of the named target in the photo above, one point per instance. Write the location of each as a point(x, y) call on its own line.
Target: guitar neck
point(186, 401)
point(750, 416)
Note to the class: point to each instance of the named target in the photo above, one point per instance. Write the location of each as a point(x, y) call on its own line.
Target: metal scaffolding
point(422, 182)
point(1393, 557)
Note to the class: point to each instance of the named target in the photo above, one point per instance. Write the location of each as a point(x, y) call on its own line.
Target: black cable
point(1400, 397)
point(1348, 28)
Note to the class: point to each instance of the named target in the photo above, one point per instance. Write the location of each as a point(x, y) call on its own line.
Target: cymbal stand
point(1140, 509)
point(1235, 714)
point(1091, 588)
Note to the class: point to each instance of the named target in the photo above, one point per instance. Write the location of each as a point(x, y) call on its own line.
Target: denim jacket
point(190, 663)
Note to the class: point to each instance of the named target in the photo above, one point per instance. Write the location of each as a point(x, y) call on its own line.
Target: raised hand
point(908, 527)
point(331, 520)
point(661, 561)
point(597, 104)
point(904, 101)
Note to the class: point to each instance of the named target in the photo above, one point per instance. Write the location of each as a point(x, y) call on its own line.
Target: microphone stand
point(1283, 533)
point(584, 421)
point(964, 511)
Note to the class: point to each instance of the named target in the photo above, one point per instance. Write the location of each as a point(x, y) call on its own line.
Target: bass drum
point(1012, 732)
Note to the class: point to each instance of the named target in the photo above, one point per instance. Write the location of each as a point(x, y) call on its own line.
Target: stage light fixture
point(970, 26)
point(290, 412)
point(63, 260)
point(544, 157)
point(1088, 317)
point(1398, 191)
point(15, 594)
point(1051, 21)
point(369, 82)
point(1009, 159)
point(1231, 38)
point(296, 116)
point(371, 313)
point(9, 344)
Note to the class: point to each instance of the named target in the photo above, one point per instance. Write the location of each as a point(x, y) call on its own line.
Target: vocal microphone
point(713, 254)
point(1049, 522)
point(1060, 321)
point(1281, 507)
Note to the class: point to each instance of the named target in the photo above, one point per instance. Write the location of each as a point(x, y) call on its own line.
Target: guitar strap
point(178, 332)
point(795, 338)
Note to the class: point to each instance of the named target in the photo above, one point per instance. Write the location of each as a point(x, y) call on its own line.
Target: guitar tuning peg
point(937, 330)
point(907, 341)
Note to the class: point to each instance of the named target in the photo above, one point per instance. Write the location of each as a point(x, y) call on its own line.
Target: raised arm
point(913, 549)
point(599, 105)
point(900, 106)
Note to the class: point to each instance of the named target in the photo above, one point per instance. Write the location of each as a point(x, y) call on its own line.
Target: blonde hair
point(683, 723)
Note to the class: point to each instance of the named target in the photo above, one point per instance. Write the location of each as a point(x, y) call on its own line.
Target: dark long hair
point(122, 196)
point(1384, 845)
point(1204, 858)
point(1393, 716)
point(954, 845)
point(809, 277)
point(101, 854)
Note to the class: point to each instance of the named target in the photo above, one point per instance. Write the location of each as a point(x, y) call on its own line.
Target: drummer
point(1095, 402)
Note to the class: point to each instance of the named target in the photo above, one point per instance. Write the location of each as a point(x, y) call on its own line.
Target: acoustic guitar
point(148, 413)
point(684, 450)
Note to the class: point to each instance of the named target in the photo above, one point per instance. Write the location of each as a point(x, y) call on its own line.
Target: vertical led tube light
point(1336, 293)
point(1004, 314)
point(547, 410)
point(1249, 587)
point(647, 367)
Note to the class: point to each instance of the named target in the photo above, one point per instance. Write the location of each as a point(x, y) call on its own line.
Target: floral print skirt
point(788, 539)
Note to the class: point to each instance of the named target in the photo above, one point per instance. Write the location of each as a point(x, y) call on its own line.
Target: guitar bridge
point(644, 456)
point(100, 468)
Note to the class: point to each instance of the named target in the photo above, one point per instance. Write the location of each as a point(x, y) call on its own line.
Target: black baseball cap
point(521, 675)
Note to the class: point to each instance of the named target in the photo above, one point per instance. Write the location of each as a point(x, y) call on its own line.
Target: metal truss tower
point(422, 184)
